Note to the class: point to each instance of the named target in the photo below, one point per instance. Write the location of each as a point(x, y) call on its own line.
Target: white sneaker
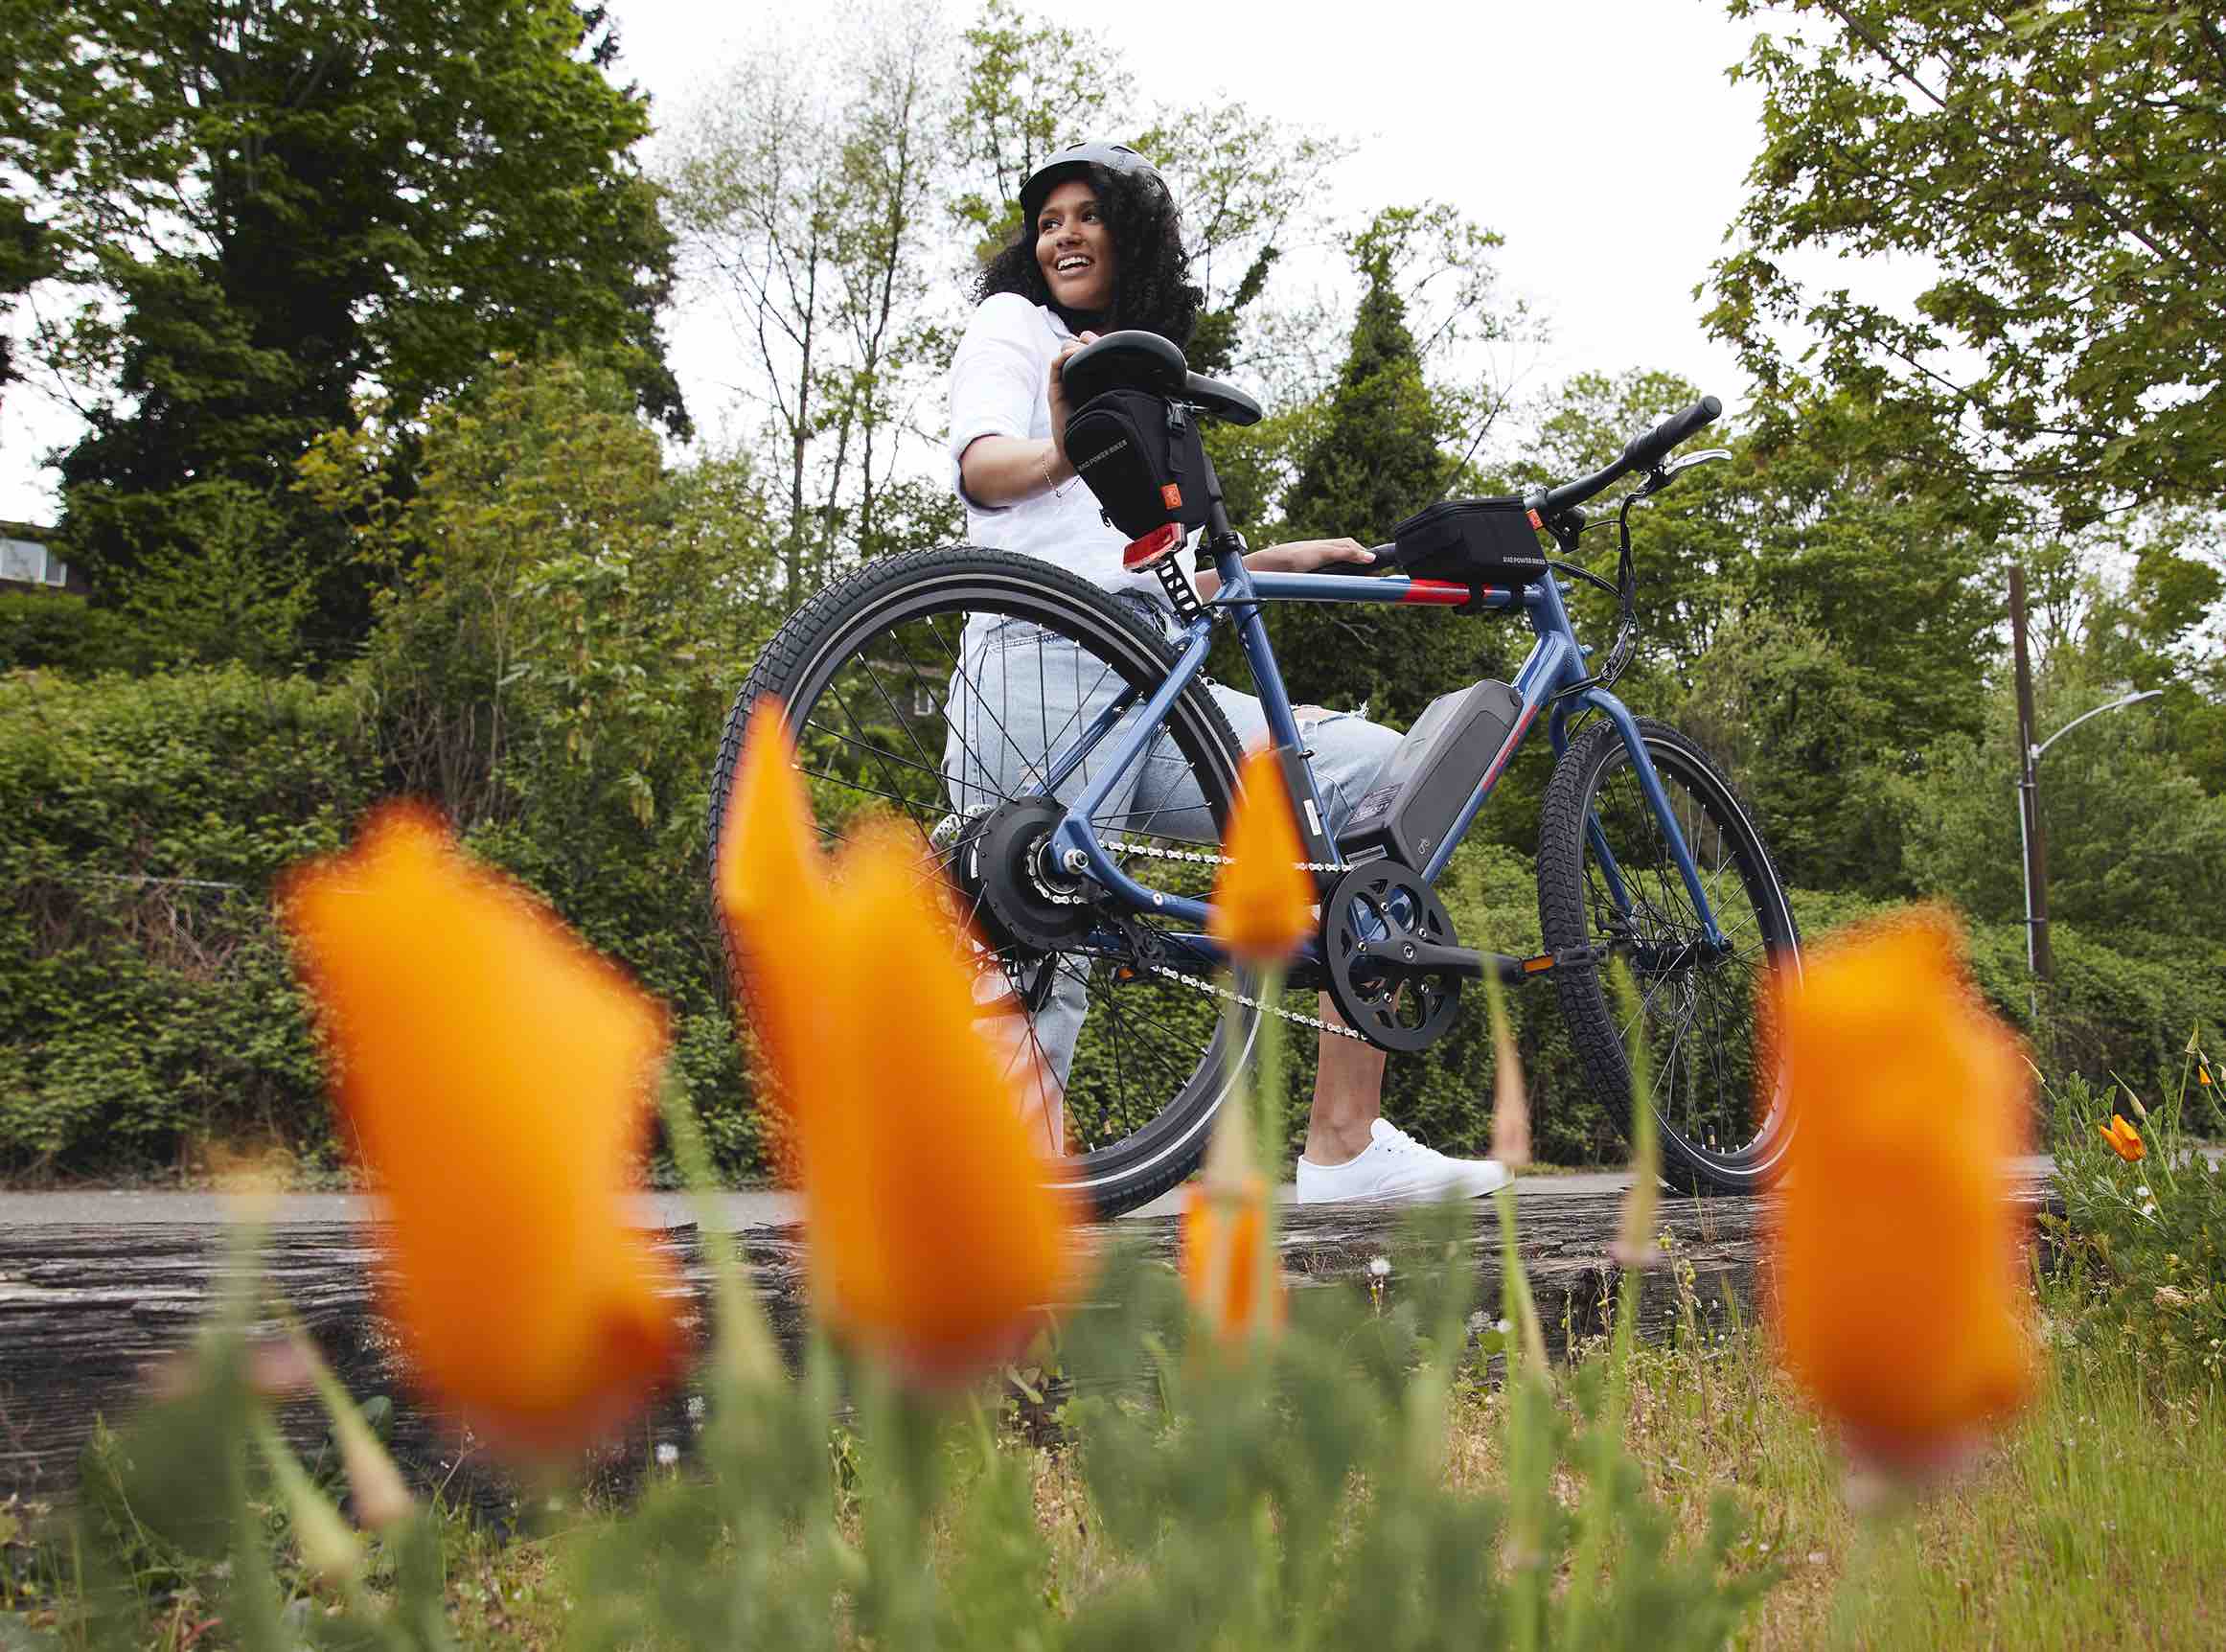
point(1396, 1166)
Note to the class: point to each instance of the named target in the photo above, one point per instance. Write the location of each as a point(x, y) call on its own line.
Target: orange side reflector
point(1543, 961)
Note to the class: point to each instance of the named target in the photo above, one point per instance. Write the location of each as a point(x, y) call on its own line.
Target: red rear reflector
point(1161, 542)
point(1171, 496)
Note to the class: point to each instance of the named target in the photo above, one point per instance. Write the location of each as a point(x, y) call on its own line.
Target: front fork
point(1657, 799)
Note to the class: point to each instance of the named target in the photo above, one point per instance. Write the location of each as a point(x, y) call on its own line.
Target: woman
point(1100, 249)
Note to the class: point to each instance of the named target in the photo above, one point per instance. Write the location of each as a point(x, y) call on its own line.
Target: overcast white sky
point(1600, 137)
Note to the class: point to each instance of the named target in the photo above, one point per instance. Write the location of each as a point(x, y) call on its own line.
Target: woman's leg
point(1024, 691)
point(1348, 752)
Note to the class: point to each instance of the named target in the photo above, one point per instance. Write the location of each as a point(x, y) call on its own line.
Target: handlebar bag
point(1144, 459)
point(1472, 541)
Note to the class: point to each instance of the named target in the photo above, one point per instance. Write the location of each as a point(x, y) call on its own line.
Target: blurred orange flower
point(1263, 904)
point(1230, 1271)
point(495, 1078)
point(1896, 1240)
point(2124, 1141)
point(935, 1231)
point(1225, 1260)
point(772, 893)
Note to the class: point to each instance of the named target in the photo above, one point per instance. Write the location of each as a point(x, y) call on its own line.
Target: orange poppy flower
point(936, 1230)
point(1263, 904)
point(1896, 1240)
point(1230, 1271)
point(772, 893)
point(933, 1230)
point(496, 1079)
point(2124, 1141)
point(1224, 1240)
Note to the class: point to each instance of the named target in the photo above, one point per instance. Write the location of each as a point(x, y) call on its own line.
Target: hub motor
point(1003, 868)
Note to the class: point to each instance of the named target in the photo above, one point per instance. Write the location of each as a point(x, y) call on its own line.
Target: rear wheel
point(1607, 877)
point(932, 688)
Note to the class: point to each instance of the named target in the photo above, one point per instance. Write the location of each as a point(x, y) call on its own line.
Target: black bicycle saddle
point(1141, 361)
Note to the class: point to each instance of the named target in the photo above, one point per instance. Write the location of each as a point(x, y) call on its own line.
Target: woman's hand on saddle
point(1059, 407)
point(1305, 556)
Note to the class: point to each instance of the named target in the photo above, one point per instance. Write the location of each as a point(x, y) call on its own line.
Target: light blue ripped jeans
point(1022, 694)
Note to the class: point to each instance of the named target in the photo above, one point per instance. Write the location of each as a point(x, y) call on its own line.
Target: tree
point(24, 261)
point(2134, 845)
point(565, 616)
point(804, 188)
point(2057, 164)
point(267, 208)
point(1374, 459)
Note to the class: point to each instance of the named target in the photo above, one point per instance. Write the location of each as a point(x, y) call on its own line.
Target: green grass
point(2096, 1521)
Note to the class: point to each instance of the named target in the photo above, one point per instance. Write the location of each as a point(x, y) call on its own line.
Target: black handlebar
point(1642, 452)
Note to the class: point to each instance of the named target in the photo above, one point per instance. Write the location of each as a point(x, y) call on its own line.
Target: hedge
point(146, 1010)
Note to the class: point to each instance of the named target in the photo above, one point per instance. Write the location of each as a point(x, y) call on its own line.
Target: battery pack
point(1414, 802)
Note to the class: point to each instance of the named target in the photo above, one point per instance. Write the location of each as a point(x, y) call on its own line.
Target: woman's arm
point(1298, 556)
point(1005, 470)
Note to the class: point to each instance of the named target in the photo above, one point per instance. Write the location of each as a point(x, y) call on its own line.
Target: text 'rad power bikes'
point(1068, 766)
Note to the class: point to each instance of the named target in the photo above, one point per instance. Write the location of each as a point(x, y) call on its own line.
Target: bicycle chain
point(1129, 846)
point(1213, 989)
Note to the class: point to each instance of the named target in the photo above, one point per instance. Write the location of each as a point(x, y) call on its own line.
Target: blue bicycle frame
point(1553, 675)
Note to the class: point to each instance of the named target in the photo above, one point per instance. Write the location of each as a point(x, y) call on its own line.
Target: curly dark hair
point(1152, 287)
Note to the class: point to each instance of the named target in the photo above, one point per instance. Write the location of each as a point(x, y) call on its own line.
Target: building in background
point(27, 563)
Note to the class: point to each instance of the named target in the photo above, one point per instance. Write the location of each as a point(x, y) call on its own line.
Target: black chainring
point(1372, 913)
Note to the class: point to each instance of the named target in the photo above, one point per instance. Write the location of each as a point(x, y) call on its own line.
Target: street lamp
point(2037, 956)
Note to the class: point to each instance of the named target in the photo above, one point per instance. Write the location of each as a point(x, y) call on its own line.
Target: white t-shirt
point(1001, 385)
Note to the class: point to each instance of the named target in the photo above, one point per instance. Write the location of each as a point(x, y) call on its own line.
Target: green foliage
point(2144, 1243)
point(64, 634)
point(149, 1007)
point(2134, 845)
point(2049, 162)
point(265, 210)
point(1778, 706)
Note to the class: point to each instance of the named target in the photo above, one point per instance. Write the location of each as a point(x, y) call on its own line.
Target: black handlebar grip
point(1649, 448)
point(1382, 557)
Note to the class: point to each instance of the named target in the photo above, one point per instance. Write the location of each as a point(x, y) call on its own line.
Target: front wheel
point(933, 689)
point(1608, 880)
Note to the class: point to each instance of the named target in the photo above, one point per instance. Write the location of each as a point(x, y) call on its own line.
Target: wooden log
point(86, 1313)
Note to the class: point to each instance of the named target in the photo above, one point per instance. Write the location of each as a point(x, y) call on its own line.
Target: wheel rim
point(1701, 1007)
point(874, 726)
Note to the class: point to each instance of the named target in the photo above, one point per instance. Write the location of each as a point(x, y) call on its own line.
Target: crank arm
point(1405, 958)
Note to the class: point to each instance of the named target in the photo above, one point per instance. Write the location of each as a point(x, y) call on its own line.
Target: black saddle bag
point(1472, 541)
point(1142, 457)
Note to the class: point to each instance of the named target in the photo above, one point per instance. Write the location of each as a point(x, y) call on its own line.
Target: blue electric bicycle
point(1061, 754)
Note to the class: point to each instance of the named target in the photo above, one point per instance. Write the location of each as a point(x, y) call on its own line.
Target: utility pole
point(2036, 948)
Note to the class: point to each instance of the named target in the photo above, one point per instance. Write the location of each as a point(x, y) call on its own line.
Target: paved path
point(763, 1208)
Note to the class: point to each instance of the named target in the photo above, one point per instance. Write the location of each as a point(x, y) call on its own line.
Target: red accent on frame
point(1141, 554)
point(1442, 593)
point(1508, 746)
